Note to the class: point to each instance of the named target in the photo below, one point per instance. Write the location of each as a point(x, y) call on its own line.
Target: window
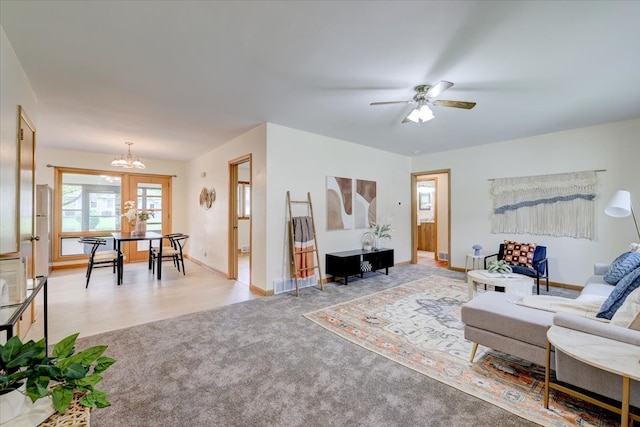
point(244, 200)
point(90, 202)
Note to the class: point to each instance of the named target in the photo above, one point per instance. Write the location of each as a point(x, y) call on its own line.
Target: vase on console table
point(141, 227)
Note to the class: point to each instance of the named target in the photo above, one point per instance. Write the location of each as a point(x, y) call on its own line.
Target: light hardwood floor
point(141, 298)
point(428, 258)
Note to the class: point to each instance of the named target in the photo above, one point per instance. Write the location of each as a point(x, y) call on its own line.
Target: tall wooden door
point(27, 144)
point(153, 193)
point(239, 171)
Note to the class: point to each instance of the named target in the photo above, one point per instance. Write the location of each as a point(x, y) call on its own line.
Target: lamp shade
point(128, 161)
point(620, 204)
point(420, 114)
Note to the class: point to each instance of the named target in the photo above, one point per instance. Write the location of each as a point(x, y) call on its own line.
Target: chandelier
point(128, 161)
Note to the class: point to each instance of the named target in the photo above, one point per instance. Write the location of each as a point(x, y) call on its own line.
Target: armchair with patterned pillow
point(529, 259)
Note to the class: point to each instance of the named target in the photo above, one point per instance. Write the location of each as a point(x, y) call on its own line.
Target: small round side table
point(476, 262)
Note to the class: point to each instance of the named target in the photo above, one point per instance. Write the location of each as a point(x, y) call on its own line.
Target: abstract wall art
point(365, 203)
point(339, 203)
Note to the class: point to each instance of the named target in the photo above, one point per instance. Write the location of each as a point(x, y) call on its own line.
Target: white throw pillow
point(628, 315)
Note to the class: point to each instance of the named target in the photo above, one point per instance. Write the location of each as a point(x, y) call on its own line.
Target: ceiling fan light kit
point(421, 114)
point(425, 94)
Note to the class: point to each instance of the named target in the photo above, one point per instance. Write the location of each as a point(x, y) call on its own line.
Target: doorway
point(240, 246)
point(431, 218)
point(153, 193)
point(26, 153)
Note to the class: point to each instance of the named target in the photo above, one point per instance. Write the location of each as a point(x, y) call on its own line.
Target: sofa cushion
point(519, 253)
point(597, 286)
point(586, 305)
point(628, 315)
point(621, 266)
point(625, 286)
point(498, 313)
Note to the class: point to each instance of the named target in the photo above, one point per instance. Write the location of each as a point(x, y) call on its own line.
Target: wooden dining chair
point(100, 258)
point(173, 252)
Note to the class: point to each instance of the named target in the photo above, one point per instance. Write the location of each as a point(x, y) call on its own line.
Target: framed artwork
point(365, 203)
point(424, 201)
point(339, 203)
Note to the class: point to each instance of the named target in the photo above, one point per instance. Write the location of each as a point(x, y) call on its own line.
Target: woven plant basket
point(75, 416)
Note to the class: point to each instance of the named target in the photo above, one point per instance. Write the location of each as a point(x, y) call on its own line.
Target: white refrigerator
point(44, 229)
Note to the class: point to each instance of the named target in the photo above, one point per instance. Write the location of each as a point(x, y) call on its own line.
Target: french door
point(150, 193)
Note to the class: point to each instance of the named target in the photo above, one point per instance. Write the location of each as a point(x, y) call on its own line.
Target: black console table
point(349, 263)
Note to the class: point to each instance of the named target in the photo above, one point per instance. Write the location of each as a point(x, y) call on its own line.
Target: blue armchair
point(540, 265)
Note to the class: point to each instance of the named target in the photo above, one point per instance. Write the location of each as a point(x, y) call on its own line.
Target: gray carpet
point(261, 363)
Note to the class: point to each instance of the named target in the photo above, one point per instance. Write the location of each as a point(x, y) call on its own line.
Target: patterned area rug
point(418, 325)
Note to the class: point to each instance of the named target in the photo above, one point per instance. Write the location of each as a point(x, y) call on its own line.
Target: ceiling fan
point(425, 94)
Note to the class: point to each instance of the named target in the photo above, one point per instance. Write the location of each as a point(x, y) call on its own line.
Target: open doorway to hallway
point(240, 220)
point(430, 218)
point(429, 258)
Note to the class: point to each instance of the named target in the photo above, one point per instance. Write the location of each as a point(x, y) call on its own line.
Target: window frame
point(125, 194)
point(243, 187)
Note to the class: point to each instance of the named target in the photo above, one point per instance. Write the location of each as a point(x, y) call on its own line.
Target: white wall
point(85, 160)
point(297, 161)
point(612, 146)
point(16, 90)
point(442, 206)
point(209, 228)
point(300, 162)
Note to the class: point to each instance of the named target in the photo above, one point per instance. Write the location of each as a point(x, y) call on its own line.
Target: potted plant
point(26, 369)
point(500, 267)
point(381, 231)
point(137, 217)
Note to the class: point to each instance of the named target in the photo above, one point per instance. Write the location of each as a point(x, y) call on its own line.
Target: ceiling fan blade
point(438, 88)
point(391, 102)
point(455, 104)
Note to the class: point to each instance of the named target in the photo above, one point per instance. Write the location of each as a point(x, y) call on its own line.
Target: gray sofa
point(494, 320)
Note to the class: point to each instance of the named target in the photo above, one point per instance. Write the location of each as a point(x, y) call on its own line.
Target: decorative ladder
point(298, 271)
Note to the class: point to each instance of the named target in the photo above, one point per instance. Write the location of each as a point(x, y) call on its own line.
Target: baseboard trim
point(256, 290)
point(542, 282)
point(205, 266)
point(260, 291)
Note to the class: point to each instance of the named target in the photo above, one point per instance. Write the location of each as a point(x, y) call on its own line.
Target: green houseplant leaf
point(60, 376)
point(61, 398)
point(65, 347)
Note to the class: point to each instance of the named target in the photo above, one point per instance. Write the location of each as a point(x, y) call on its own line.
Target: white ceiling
point(178, 78)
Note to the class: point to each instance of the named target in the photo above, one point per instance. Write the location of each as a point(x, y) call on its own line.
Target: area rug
point(418, 325)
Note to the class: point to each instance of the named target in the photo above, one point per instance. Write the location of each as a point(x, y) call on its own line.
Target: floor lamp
point(620, 206)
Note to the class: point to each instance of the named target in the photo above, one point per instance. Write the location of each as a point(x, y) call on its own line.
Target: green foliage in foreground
point(59, 376)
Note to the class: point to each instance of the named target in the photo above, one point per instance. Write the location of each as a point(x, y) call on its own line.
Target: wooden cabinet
point(427, 236)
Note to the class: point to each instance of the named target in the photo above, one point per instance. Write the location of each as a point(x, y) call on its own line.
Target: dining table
point(119, 237)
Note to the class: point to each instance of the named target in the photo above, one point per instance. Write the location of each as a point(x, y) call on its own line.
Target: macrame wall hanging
point(560, 205)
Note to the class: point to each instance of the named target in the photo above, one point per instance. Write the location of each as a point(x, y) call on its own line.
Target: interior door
point(27, 141)
point(153, 193)
point(239, 171)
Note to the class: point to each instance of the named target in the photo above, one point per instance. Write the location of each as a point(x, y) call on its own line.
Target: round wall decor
point(207, 197)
